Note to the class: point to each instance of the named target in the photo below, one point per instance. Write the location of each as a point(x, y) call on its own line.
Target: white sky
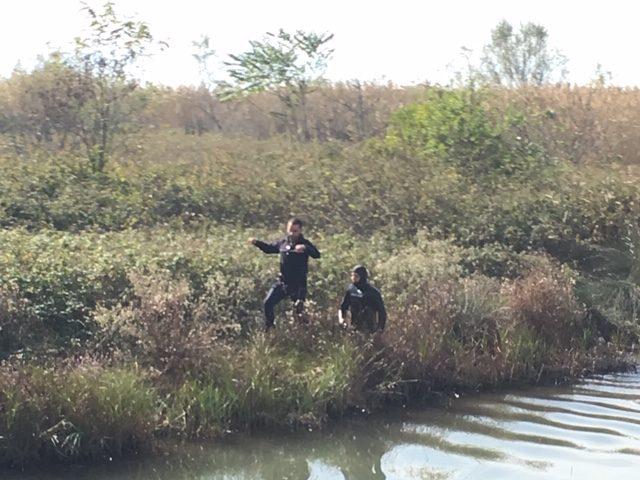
point(399, 40)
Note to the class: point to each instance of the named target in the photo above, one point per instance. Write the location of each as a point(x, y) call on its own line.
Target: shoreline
point(408, 393)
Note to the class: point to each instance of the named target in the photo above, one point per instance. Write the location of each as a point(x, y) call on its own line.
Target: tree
point(42, 105)
point(204, 52)
point(105, 60)
point(521, 58)
point(601, 78)
point(286, 65)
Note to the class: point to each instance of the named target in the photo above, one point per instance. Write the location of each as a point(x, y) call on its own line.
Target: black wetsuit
point(292, 281)
point(364, 301)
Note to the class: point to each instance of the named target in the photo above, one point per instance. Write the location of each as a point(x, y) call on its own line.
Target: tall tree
point(284, 64)
point(105, 59)
point(520, 58)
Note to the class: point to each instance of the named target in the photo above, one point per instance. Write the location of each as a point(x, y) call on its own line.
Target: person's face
point(294, 230)
point(355, 278)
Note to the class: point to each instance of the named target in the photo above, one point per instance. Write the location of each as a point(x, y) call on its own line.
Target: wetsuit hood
point(362, 272)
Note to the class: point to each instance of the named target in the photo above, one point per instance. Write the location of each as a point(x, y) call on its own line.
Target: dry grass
point(581, 124)
point(544, 301)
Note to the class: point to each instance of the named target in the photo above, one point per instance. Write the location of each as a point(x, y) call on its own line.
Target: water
point(590, 430)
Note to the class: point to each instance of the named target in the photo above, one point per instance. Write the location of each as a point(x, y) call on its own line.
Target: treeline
point(89, 101)
point(40, 107)
point(578, 124)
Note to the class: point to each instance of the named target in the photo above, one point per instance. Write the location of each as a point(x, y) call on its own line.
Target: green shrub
point(19, 326)
point(458, 128)
point(413, 270)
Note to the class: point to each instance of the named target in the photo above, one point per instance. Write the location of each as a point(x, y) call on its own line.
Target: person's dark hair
point(295, 221)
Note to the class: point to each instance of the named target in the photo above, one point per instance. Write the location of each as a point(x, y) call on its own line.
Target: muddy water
point(590, 430)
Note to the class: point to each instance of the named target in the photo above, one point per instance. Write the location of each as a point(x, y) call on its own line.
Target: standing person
point(294, 251)
point(365, 302)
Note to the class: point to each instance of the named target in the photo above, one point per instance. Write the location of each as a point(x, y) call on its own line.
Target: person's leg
point(275, 295)
point(298, 298)
point(298, 311)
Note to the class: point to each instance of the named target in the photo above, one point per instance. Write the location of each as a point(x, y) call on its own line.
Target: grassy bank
point(300, 377)
point(121, 339)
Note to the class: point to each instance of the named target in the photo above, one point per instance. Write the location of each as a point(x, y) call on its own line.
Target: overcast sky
point(399, 40)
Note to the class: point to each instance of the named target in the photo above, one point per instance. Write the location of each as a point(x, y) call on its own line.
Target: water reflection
point(588, 431)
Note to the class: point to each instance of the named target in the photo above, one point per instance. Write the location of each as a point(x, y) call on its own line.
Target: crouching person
point(365, 303)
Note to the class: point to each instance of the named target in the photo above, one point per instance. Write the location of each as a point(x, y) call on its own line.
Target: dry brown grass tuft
point(543, 300)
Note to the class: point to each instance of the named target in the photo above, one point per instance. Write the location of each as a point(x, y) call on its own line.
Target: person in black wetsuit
point(294, 251)
point(365, 302)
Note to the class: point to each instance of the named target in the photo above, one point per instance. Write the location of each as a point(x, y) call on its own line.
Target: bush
point(413, 270)
point(480, 312)
point(19, 326)
point(613, 307)
point(146, 264)
point(544, 301)
point(160, 326)
point(458, 128)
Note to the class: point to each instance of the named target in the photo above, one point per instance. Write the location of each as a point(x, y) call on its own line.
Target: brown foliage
point(161, 325)
point(543, 299)
point(580, 124)
point(577, 123)
point(418, 337)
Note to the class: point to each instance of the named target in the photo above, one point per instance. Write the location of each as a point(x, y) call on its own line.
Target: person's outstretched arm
point(273, 247)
